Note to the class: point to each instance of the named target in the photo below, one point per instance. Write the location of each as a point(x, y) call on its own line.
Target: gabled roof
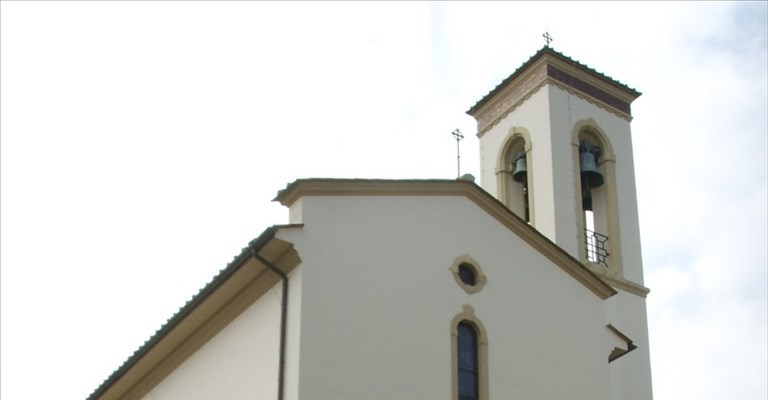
point(439, 187)
point(224, 296)
point(543, 51)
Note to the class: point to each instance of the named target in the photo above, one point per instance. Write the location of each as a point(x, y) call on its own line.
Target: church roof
point(546, 50)
point(266, 243)
point(180, 336)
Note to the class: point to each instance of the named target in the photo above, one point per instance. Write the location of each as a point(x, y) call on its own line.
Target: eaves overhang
point(548, 66)
point(438, 187)
point(229, 293)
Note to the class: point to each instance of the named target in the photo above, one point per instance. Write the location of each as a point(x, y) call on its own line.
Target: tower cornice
point(550, 67)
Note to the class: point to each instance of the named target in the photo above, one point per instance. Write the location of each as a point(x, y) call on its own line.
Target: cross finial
point(547, 38)
point(458, 136)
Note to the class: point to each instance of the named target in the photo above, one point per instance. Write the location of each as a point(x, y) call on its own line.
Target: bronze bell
point(521, 168)
point(591, 177)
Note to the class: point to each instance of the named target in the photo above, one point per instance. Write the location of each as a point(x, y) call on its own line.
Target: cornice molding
point(549, 69)
point(627, 286)
point(369, 187)
point(374, 187)
point(546, 51)
point(591, 100)
point(510, 97)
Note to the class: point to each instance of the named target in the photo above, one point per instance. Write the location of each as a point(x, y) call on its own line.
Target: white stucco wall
point(378, 300)
point(532, 115)
point(550, 116)
point(241, 361)
point(630, 374)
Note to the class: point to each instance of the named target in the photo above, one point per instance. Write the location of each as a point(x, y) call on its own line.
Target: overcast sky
point(142, 144)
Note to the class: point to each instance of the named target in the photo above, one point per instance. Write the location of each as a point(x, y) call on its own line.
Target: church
point(528, 285)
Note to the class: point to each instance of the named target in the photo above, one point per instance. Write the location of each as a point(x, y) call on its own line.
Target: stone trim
point(504, 170)
point(627, 286)
point(488, 203)
point(480, 278)
point(468, 315)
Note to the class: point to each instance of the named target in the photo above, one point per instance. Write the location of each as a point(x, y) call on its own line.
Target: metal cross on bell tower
point(547, 37)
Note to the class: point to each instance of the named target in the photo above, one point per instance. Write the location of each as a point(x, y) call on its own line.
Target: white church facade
point(528, 286)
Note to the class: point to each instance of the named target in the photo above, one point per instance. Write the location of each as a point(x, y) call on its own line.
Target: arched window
point(468, 366)
point(469, 348)
point(514, 174)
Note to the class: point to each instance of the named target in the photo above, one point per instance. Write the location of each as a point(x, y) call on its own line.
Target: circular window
point(467, 274)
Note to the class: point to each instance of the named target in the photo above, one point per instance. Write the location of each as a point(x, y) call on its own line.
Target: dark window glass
point(467, 362)
point(467, 274)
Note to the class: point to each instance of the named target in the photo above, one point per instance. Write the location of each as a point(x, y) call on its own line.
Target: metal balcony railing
point(597, 252)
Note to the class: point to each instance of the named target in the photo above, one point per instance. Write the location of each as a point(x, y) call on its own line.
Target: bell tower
point(556, 148)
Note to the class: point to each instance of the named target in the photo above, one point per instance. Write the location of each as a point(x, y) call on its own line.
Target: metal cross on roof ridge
point(547, 38)
point(458, 136)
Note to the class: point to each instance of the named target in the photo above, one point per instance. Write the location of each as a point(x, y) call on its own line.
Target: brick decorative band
point(587, 89)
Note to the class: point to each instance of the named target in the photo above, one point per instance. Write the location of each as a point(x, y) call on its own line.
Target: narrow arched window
point(467, 357)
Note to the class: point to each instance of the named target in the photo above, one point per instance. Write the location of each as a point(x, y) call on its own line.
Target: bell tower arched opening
point(514, 174)
point(596, 187)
